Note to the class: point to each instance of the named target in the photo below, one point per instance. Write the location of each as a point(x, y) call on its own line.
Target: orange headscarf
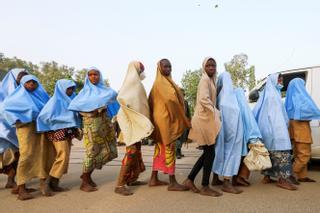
point(167, 109)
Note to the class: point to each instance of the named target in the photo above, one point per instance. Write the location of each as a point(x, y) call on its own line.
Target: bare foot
point(267, 180)
point(23, 194)
point(137, 183)
point(157, 182)
point(122, 190)
point(306, 180)
point(286, 184)
point(293, 180)
point(206, 191)
point(59, 189)
point(216, 181)
point(15, 191)
point(10, 184)
point(177, 187)
point(190, 185)
point(45, 188)
point(91, 182)
point(239, 181)
point(86, 187)
point(227, 187)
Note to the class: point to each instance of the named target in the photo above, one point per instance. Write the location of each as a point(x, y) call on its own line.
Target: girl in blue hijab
point(301, 110)
point(60, 125)
point(21, 109)
point(99, 137)
point(230, 140)
point(251, 134)
point(9, 149)
point(273, 123)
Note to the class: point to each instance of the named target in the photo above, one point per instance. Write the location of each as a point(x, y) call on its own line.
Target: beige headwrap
point(206, 122)
point(133, 116)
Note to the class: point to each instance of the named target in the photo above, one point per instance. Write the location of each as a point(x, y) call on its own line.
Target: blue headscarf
point(55, 114)
point(8, 137)
point(251, 133)
point(22, 105)
point(230, 139)
point(93, 97)
point(271, 117)
point(9, 84)
point(299, 104)
point(112, 109)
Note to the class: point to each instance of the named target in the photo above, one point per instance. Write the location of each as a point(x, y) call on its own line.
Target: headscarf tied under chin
point(22, 105)
point(93, 97)
point(55, 114)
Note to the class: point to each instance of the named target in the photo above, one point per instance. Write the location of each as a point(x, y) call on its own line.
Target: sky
point(276, 35)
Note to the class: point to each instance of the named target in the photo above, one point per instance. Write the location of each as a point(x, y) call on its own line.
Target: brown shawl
point(167, 109)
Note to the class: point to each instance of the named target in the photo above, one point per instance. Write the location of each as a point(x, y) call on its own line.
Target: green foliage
point(47, 72)
point(241, 75)
point(79, 78)
point(51, 72)
point(190, 81)
point(7, 64)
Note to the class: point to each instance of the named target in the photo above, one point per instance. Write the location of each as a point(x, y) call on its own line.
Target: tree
point(51, 72)
point(241, 75)
point(7, 64)
point(190, 81)
point(79, 78)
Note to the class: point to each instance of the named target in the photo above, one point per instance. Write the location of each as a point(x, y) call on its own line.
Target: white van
point(312, 77)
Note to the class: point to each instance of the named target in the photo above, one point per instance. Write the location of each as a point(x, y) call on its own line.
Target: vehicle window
point(288, 77)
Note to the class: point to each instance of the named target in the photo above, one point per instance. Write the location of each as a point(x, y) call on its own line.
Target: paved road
point(257, 198)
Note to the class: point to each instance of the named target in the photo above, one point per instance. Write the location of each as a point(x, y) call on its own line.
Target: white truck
point(312, 77)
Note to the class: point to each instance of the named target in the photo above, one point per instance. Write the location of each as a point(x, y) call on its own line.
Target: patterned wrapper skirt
point(164, 158)
point(132, 165)
point(99, 140)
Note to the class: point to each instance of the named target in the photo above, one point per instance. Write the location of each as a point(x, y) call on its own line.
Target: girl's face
point(70, 91)
point(94, 77)
point(211, 67)
point(165, 67)
point(31, 85)
point(141, 67)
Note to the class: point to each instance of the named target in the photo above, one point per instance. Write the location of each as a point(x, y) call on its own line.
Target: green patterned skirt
point(99, 140)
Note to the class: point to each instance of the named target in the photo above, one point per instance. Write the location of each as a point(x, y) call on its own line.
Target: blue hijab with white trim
point(272, 118)
point(299, 104)
point(93, 97)
point(251, 133)
point(55, 114)
point(8, 137)
point(22, 105)
point(229, 143)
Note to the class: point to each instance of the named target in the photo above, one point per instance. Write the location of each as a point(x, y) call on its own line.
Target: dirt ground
point(256, 198)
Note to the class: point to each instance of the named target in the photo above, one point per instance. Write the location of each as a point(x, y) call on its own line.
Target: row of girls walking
point(36, 130)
